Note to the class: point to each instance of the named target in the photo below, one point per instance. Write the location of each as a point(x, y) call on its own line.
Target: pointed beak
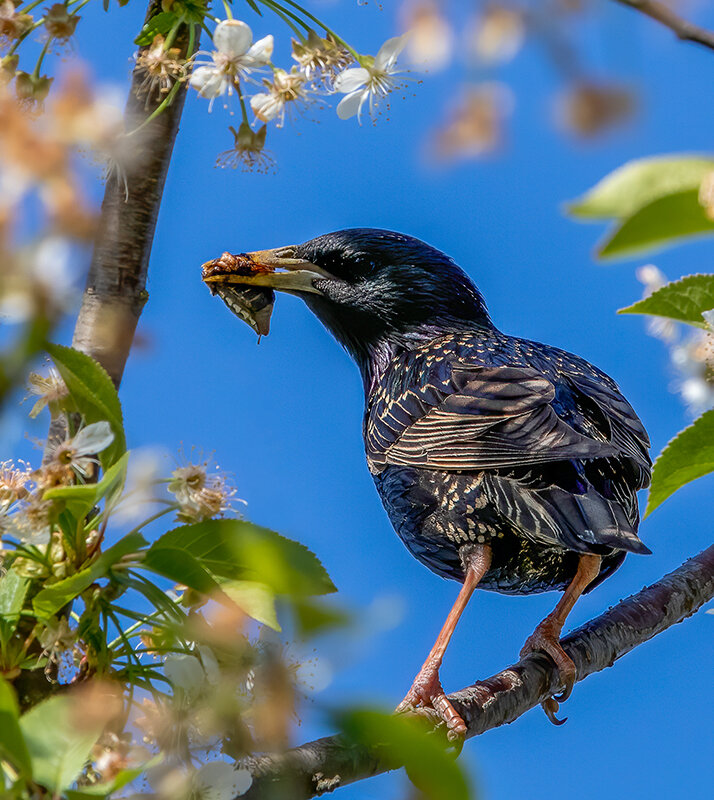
point(273, 269)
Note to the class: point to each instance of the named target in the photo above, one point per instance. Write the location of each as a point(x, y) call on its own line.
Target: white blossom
point(219, 780)
point(77, 452)
point(185, 672)
point(372, 81)
point(234, 58)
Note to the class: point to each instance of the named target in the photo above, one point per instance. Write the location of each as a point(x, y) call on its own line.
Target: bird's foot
point(546, 638)
point(427, 692)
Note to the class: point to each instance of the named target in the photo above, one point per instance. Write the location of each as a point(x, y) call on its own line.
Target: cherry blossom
point(371, 81)
point(234, 58)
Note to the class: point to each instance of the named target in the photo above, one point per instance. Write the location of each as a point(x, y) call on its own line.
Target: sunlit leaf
point(638, 183)
point(684, 300)
point(12, 742)
point(237, 550)
point(661, 223)
point(409, 741)
point(49, 600)
point(13, 589)
point(689, 456)
point(94, 393)
point(59, 747)
point(256, 599)
point(81, 499)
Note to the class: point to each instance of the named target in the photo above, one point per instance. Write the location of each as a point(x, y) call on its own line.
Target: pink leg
point(426, 689)
point(546, 636)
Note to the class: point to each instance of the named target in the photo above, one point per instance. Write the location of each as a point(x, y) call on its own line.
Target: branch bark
point(116, 286)
point(326, 764)
point(682, 28)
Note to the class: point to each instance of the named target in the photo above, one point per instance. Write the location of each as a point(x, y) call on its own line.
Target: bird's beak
point(274, 269)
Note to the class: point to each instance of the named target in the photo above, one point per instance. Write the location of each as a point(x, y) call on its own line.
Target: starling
point(502, 463)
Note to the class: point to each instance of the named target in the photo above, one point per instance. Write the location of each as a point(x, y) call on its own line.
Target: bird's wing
point(491, 417)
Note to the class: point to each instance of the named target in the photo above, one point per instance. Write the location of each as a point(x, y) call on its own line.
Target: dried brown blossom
point(13, 480)
point(321, 58)
point(475, 128)
point(59, 23)
point(497, 35)
point(32, 90)
point(159, 69)
point(13, 24)
point(588, 109)
point(49, 389)
point(248, 151)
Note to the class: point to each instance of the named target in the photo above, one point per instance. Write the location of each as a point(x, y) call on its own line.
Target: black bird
point(501, 462)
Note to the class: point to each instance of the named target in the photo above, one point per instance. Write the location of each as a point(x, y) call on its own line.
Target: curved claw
point(545, 639)
point(551, 706)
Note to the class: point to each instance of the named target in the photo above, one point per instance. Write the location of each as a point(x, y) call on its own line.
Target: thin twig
point(682, 28)
point(328, 763)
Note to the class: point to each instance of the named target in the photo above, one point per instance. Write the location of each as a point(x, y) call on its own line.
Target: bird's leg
point(426, 689)
point(546, 636)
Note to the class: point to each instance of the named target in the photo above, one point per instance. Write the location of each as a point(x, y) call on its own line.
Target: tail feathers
point(589, 521)
point(604, 522)
point(585, 523)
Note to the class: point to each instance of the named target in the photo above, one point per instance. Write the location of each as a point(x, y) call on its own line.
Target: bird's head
point(375, 290)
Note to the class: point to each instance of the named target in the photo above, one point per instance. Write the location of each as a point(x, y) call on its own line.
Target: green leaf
point(689, 456)
point(12, 742)
point(49, 600)
point(638, 183)
point(13, 589)
point(58, 746)
point(660, 224)
point(94, 393)
point(81, 499)
point(684, 300)
point(199, 555)
point(159, 24)
point(255, 599)
point(313, 617)
point(410, 741)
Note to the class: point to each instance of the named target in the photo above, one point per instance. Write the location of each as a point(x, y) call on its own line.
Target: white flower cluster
point(322, 69)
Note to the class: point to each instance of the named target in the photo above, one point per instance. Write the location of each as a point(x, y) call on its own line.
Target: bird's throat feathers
point(375, 331)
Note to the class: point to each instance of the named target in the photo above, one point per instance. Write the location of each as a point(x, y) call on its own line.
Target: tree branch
point(683, 29)
point(328, 763)
point(116, 285)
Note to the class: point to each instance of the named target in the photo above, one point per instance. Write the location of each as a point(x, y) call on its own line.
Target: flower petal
point(389, 51)
point(264, 106)
point(232, 37)
point(351, 104)
point(93, 439)
point(185, 672)
point(350, 79)
point(260, 53)
point(208, 81)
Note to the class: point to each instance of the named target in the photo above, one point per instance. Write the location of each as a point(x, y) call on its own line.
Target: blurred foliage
point(107, 677)
point(657, 203)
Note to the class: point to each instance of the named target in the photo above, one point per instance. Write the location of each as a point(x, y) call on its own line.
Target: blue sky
point(284, 417)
